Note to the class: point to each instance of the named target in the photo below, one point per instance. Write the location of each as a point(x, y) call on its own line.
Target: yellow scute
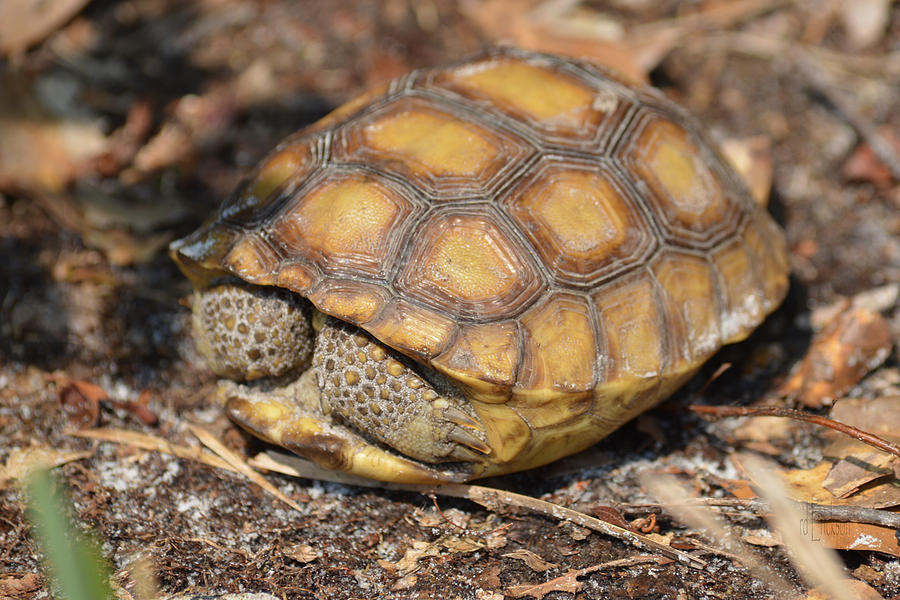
point(347, 217)
point(542, 94)
point(438, 144)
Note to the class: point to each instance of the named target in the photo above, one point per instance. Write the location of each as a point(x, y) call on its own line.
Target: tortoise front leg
point(368, 387)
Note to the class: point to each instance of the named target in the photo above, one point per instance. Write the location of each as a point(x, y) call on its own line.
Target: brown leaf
point(557, 28)
point(26, 22)
point(854, 343)
point(752, 158)
point(864, 165)
point(534, 562)
point(81, 402)
point(806, 485)
point(22, 461)
point(849, 474)
point(40, 149)
point(15, 585)
point(302, 553)
point(610, 515)
point(565, 583)
point(857, 536)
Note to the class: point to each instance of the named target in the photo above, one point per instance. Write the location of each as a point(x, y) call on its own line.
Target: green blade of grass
point(76, 563)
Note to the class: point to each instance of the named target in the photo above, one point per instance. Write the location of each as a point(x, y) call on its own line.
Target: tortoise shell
point(568, 247)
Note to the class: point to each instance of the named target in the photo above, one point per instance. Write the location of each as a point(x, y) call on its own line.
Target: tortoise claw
point(458, 417)
point(464, 438)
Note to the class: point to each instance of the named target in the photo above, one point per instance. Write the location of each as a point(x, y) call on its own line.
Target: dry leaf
point(752, 158)
point(864, 165)
point(806, 485)
point(534, 562)
point(566, 583)
point(854, 343)
point(27, 22)
point(849, 474)
point(610, 515)
point(558, 28)
point(865, 21)
point(410, 561)
point(764, 538)
point(857, 536)
point(18, 584)
point(80, 401)
point(39, 149)
point(22, 461)
point(302, 553)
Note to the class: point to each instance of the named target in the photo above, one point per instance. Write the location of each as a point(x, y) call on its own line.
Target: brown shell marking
point(442, 151)
point(464, 264)
point(609, 234)
point(346, 223)
point(688, 197)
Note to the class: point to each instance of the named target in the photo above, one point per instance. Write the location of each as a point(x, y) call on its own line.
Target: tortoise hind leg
point(379, 396)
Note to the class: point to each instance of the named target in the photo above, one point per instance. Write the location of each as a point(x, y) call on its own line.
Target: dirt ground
point(123, 124)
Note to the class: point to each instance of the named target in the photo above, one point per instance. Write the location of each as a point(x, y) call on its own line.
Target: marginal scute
point(465, 264)
point(688, 293)
point(688, 198)
point(484, 358)
point(297, 277)
point(741, 290)
point(293, 162)
point(416, 331)
point(580, 221)
point(768, 254)
point(628, 310)
point(347, 222)
point(354, 301)
point(253, 260)
point(560, 352)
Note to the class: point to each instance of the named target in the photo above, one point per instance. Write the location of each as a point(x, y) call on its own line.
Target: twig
point(492, 499)
point(497, 500)
point(776, 411)
point(818, 512)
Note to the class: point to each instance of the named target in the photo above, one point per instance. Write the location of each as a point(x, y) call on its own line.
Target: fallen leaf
point(859, 589)
point(21, 462)
point(569, 581)
point(15, 585)
point(752, 159)
point(409, 563)
point(806, 485)
point(40, 149)
point(849, 474)
point(840, 355)
point(865, 21)
point(857, 536)
point(611, 515)
point(764, 538)
point(80, 401)
point(302, 553)
point(566, 583)
point(27, 22)
point(864, 165)
point(556, 27)
point(532, 560)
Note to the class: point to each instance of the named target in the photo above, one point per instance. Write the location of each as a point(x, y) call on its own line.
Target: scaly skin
point(362, 389)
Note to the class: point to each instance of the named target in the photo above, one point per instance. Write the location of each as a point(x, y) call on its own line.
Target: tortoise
point(477, 269)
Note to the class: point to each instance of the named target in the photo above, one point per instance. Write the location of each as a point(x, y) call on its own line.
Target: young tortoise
point(477, 269)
